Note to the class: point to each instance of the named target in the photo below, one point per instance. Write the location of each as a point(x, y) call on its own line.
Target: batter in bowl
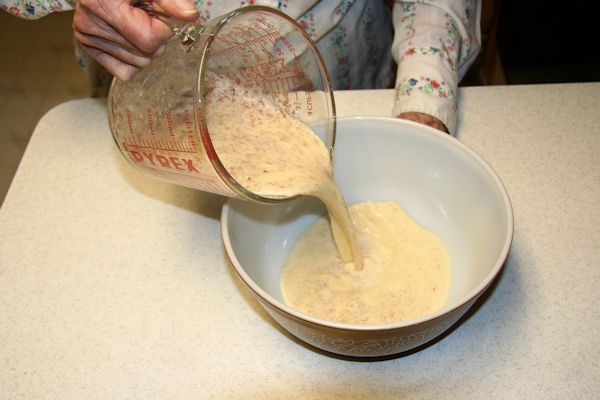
point(406, 270)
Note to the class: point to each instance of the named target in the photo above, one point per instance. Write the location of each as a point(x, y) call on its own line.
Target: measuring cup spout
point(187, 32)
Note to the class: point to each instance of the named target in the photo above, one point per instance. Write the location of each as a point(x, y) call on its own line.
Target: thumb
point(182, 10)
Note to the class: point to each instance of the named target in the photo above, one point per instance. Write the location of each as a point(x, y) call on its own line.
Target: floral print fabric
point(353, 36)
point(34, 9)
point(434, 44)
point(427, 45)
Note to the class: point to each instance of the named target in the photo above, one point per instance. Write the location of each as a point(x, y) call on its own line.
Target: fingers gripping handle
point(187, 32)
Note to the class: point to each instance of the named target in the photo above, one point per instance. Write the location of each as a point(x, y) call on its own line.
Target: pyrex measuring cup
point(159, 118)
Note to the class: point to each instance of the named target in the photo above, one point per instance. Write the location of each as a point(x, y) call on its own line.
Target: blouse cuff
point(422, 88)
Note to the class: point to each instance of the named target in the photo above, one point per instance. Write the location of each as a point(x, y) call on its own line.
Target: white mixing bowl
point(441, 183)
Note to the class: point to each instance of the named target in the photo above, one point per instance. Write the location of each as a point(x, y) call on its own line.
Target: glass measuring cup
point(159, 118)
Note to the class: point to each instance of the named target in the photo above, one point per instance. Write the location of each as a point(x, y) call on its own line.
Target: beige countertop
point(115, 286)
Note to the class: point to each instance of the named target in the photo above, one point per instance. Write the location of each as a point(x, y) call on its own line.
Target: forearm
point(433, 46)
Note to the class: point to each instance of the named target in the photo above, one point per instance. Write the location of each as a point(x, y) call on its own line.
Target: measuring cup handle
point(187, 32)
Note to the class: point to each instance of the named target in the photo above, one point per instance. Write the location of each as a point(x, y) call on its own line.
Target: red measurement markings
point(189, 126)
point(155, 143)
point(259, 52)
point(150, 121)
point(265, 70)
point(129, 122)
point(235, 47)
point(169, 122)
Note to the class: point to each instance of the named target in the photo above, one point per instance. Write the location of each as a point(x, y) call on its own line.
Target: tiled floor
point(38, 70)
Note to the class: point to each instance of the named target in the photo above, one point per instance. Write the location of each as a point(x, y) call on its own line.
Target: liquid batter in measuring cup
point(257, 69)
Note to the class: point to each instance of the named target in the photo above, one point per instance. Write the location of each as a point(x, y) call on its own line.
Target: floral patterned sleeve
point(34, 9)
point(435, 42)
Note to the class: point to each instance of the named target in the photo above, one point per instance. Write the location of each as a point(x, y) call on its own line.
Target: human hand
point(124, 38)
point(425, 119)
